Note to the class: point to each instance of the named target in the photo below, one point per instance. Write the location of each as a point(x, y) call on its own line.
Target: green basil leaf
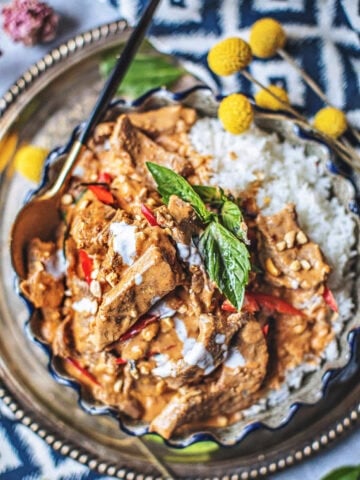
point(209, 251)
point(213, 195)
point(344, 473)
point(232, 219)
point(170, 183)
point(145, 73)
point(226, 261)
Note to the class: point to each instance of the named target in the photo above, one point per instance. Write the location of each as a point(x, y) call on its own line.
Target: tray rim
point(335, 430)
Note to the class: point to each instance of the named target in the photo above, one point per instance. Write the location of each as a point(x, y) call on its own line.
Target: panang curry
point(127, 303)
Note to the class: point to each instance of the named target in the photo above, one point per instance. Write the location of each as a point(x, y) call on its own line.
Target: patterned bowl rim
point(158, 94)
point(80, 453)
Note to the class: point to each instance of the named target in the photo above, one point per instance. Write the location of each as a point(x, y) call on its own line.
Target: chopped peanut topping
point(290, 238)
point(295, 266)
point(301, 238)
point(270, 267)
point(305, 264)
point(281, 246)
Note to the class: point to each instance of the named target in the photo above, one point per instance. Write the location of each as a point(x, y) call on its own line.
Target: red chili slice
point(253, 301)
point(83, 371)
point(228, 307)
point(138, 326)
point(329, 298)
point(265, 330)
point(105, 177)
point(102, 194)
point(86, 265)
point(250, 304)
point(273, 303)
point(120, 361)
point(148, 214)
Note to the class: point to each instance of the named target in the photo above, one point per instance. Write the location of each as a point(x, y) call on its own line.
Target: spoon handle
point(108, 91)
point(120, 69)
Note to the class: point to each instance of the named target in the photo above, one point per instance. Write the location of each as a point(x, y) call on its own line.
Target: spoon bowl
point(40, 217)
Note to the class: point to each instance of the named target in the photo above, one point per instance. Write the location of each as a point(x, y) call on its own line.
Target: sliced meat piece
point(231, 389)
point(165, 120)
point(88, 223)
point(201, 355)
point(142, 149)
point(296, 339)
point(43, 288)
point(177, 142)
point(120, 390)
point(102, 131)
point(63, 343)
point(152, 276)
point(298, 261)
point(185, 218)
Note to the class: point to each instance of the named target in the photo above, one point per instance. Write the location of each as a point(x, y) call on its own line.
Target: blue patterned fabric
point(322, 35)
point(25, 456)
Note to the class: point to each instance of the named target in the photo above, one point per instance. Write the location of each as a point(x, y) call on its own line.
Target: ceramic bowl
point(313, 384)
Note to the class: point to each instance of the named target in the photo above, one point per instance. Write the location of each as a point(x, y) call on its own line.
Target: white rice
point(289, 174)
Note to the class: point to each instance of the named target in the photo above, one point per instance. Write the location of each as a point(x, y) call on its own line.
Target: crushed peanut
point(111, 278)
point(136, 352)
point(166, 324)
point(290, 238)
point(222, 421)
point(301, 238)
point(144, 369)
point(299, 328)
point(281, 246)
point(134, 373)
point(160, 387)
point(295, 266)
point(66, 199)
point(83, 204)
point(304, 284)
point(270, 267)
point(95, 288)
point(94, 274)
point(150, 331)
point(267, 201)
point(305, 264)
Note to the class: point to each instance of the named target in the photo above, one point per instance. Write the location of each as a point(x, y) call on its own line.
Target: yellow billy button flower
point(266, 37)
point(331, 121)
point(235, 113)
point(229, 56)
point(265, 100)
point(29, 161)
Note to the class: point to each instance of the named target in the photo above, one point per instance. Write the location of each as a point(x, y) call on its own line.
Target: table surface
point(14, 61)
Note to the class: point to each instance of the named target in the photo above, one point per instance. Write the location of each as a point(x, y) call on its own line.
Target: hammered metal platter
point(43, 107)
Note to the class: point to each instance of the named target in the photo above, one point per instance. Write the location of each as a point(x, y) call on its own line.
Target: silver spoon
point(40, 217)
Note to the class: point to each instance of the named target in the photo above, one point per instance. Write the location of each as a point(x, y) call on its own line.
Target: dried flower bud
point(30, 21)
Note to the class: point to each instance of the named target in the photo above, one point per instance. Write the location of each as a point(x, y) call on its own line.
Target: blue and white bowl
point(278, 409)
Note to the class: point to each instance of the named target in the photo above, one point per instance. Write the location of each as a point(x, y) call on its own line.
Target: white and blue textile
point(322, 35)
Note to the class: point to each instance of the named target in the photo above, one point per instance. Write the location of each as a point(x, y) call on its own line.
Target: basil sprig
point(213, 195)
point(231, 215)
point(226, 261)
point(225, 255)
point(170, 183)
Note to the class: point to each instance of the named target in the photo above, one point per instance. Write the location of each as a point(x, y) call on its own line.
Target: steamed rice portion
point(288, 174)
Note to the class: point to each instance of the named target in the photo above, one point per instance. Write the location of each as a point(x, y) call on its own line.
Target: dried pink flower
point(30, 21)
